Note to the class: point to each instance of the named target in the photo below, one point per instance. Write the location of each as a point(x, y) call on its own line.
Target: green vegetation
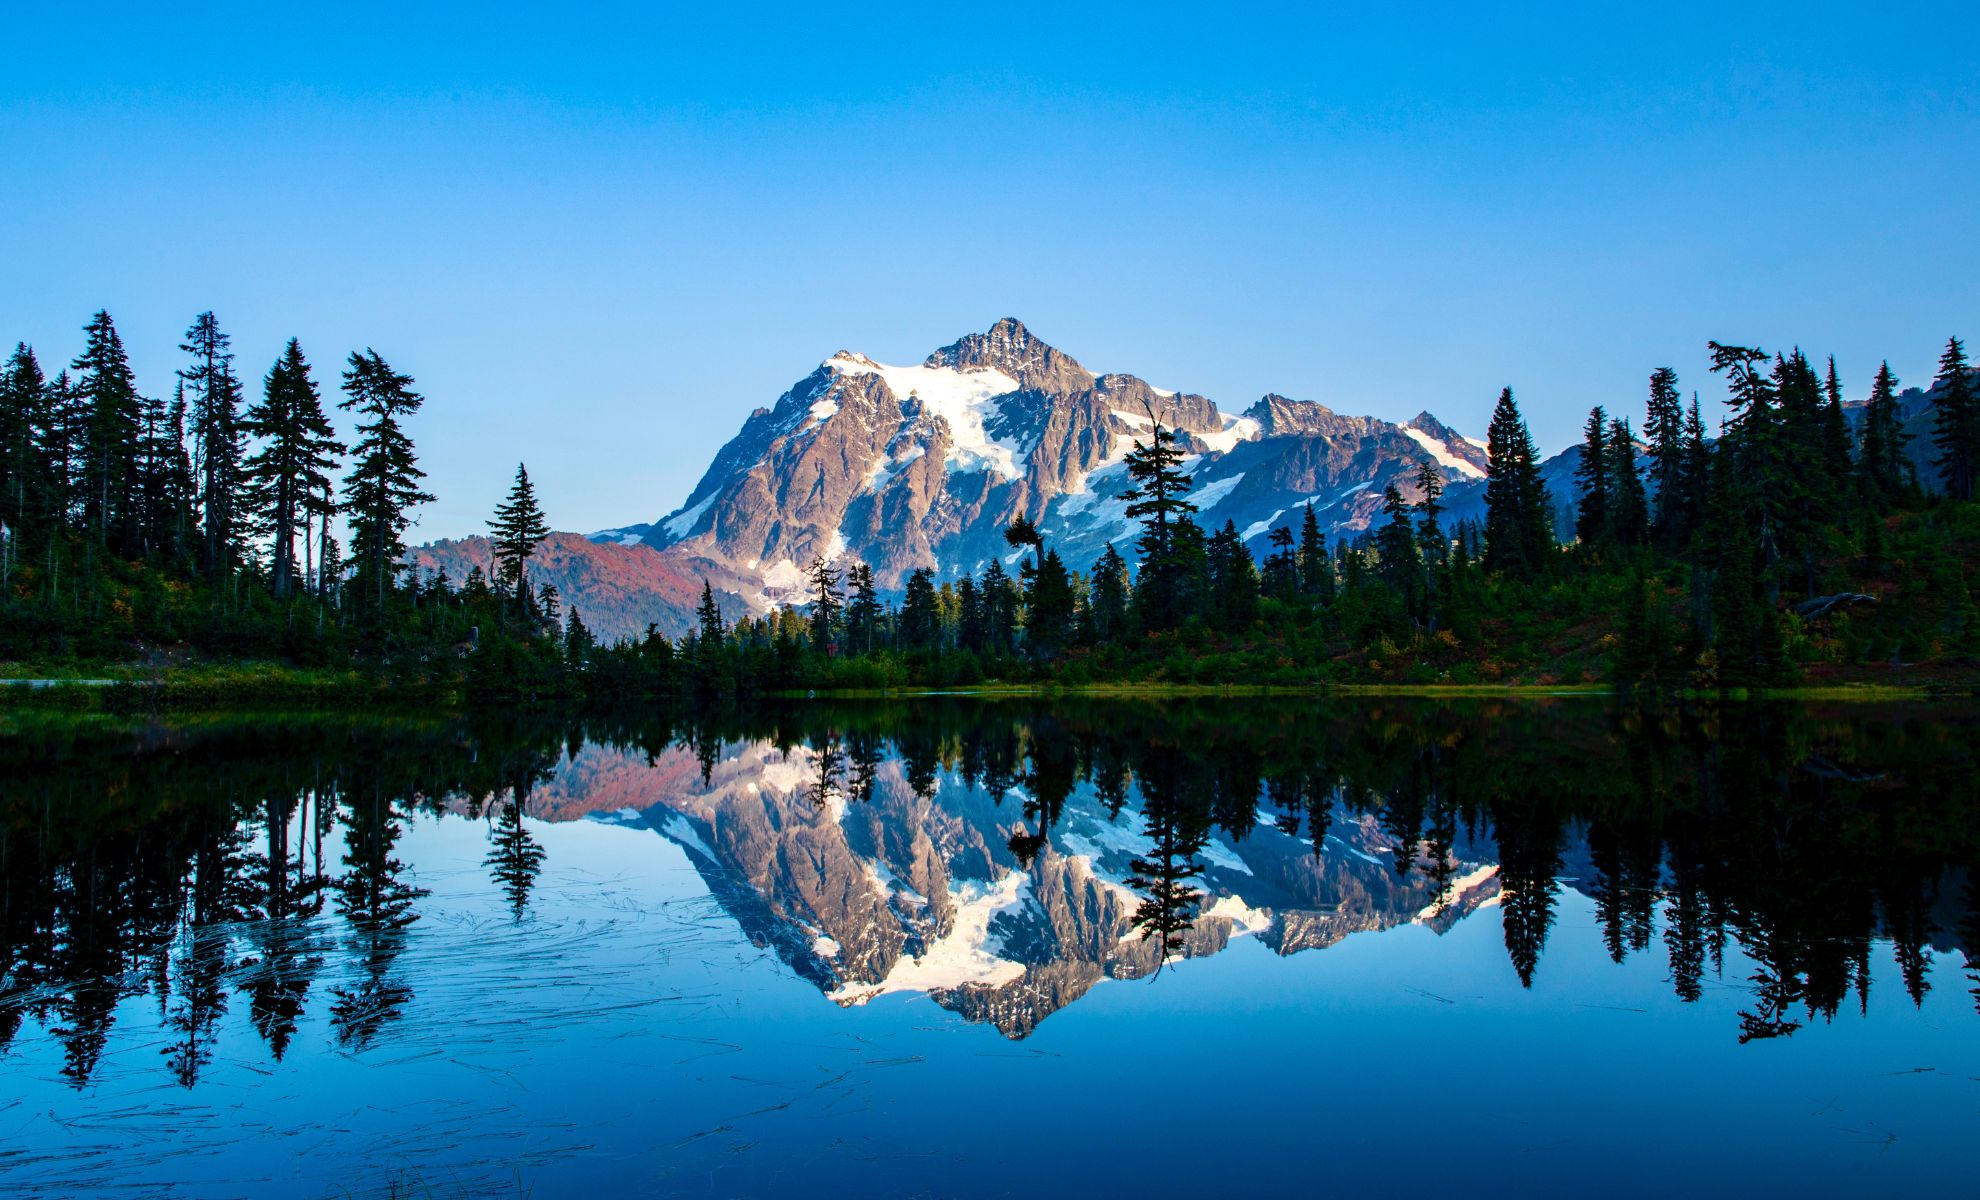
point(189, 547)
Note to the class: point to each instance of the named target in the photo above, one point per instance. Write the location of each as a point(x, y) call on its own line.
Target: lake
point(981, 948)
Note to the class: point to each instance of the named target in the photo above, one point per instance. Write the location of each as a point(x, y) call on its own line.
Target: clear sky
point(600, 236)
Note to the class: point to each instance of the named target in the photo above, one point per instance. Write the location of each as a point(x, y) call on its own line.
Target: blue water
point(626, 1032)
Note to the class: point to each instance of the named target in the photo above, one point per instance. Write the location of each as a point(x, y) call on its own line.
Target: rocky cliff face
point(924, 466)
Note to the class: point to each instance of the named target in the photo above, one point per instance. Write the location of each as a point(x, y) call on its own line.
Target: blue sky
point(599, 236)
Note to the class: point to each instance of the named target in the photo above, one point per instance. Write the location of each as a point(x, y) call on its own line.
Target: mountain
point(905, 467)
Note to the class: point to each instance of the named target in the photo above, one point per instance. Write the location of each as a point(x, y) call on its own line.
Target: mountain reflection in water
point(1001, 858)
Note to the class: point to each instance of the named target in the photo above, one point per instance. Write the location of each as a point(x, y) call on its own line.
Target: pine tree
point(826, 602)
point(1884, 474)
point(1519, 516)
point(862, 610)
point(1629, 517)
point(214, 405)
point(710, 629)
point(1837, 466)
point(1316, 566)
point(293, 463)
point(1107, 611)
point(382, 487)
point(1956, 423)
point(24, 436)
point(1431, 543)
point(921, 621)
point(1233, 591)
point(1396, 562)
point(108, 392)
point(1665, 429)
point(1282, 565)
point(1591, 525)
point(517, 530)
point(1000, 602)
point(1157, 501)
point(1049, 622)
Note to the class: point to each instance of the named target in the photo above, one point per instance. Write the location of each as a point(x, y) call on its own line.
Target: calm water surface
point(981, 949)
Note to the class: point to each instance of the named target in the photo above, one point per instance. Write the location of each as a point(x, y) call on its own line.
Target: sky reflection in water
point(889, 950)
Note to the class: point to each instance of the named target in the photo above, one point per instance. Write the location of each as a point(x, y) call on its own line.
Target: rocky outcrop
point(924, 466)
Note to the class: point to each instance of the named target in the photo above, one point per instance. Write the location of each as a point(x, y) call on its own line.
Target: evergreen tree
point(862, 610)
point(1591, 525)
point(1233, 580)
point(972, 626)
point(1316, 566)
point(1956, 423)
point(1884, 472)
point(214, 405)
point(1519, 516)
point(1050, 619)
point(109, 482)
point(1000, 604)
point(25, 434)
point(518, 529)
point(921, 620)
point(1837, 466)
point(1107, 611)
point(1157, 501)
point(1430, 540)
point(1665, 430)
point(382, 487)
point(1629, 516)
point(578, 641)
point(1397, 563)
point(826, 602)
point(710, 630)
point(293, 463)
point(1282, 565)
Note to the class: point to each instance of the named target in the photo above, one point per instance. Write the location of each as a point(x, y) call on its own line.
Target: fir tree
point(862, 610)
point(214, 406)
point(1282, 565)
point(826, 602)
point(1233, 580)
point(1397, 562)
point(710, 630)
point(382, 487)
point(1050, 619)
point(293, 462)
point(1665, 430)
point(1956, 423)
point(518, 529)
point(1837, 466)
point(1591, 525)
point(25, 434)
point(1519, 517)
point(1157, 501)
point(109, 482)
point(1316, 566)
point(1000, 603)
point(1629, 517)
point(1107, 610)
point(921, 620)
point(1883, 464)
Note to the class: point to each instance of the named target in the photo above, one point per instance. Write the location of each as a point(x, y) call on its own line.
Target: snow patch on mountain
point(969, 954)
point(683, 524)
point(1442, 453)
point(962, 398)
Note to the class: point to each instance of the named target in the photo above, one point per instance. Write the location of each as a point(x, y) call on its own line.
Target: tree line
point(1702, 557)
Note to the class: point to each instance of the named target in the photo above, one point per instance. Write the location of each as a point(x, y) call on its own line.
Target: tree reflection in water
point(195, 864)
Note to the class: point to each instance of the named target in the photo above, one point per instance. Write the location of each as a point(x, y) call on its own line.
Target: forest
point(239, 543)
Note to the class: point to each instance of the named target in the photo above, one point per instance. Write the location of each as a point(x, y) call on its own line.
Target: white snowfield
point(960, 398)
point(1442, 453)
